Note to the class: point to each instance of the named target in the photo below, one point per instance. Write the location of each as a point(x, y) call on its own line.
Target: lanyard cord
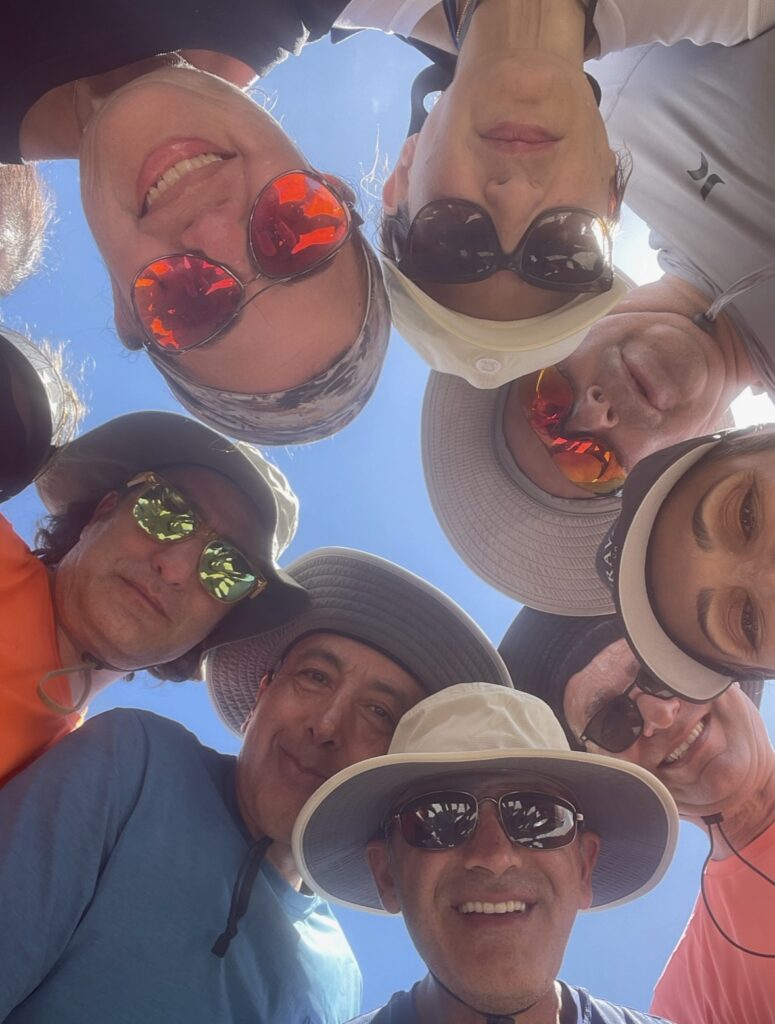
point(240, 895)
point(710, 821)
point(490, 1018)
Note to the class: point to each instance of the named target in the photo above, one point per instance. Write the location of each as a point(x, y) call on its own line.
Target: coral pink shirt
point(708, 981)
point(28, 650)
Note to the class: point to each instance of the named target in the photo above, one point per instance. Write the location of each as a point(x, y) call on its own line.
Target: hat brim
point(654, 648)
point(31, 369)
point(105, 458)
point(624, 804)
point(532, 546)
point(369, 599)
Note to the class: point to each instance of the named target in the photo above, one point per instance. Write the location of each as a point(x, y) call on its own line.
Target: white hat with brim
point(530, 545)
point(489, 353)
point(475, 728)
point(369, 599)
point(625, 554)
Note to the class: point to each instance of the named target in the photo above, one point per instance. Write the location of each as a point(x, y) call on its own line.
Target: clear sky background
point(348, 108)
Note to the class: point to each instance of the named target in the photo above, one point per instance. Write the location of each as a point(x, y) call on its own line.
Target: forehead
point(485, 784)
point(341, 650)
point(225, 507)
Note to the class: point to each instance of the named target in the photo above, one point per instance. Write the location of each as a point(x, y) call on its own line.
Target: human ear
point(262, 686)
point(395, 191)
point(589, 848)
point(378, 856)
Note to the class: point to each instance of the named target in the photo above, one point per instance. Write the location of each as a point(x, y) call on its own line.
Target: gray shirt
point(700, 126)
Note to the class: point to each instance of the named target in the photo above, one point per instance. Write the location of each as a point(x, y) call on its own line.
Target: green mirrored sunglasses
point(161, 511)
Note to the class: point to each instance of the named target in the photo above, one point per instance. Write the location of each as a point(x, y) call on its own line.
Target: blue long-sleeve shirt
point(119, 850)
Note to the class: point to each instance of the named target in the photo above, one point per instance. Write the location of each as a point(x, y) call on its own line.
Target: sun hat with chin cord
point(479, 728)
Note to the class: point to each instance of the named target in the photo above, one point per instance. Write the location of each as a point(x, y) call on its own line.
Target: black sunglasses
point(566, 249)
point(441, 821)
point(618, 724)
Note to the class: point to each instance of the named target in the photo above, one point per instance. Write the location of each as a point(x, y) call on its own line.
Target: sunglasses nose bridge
point(489, 846)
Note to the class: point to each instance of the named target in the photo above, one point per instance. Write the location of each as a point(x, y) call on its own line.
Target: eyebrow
point(704, 601)
point(324, 655)
point(700, 528)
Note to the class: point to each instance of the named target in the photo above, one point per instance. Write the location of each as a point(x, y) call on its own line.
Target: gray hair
point(26, 209)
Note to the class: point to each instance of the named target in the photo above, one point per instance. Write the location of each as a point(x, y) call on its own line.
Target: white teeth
point(506, 907)
point(176, 172)
point(678, 753)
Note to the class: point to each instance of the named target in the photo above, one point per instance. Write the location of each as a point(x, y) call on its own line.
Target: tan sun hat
point(489, 353)
point(477, 727)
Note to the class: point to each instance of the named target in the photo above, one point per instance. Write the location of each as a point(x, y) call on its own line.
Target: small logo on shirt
point(711, 180)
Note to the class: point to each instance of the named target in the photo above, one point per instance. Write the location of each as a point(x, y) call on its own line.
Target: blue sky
point(362, 488)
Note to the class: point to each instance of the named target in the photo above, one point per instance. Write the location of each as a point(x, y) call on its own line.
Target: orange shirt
point(708, 981)
point(28, 650)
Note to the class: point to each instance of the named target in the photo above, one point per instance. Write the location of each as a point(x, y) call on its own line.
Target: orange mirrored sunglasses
point(547, 401)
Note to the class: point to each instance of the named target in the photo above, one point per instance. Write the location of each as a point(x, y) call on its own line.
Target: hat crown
point(476, 717)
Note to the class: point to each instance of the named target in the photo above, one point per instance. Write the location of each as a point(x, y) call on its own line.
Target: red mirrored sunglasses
point(587, 461)
point(297, 223)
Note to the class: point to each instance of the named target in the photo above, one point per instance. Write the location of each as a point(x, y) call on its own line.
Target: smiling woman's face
point(711, 560)
point(134, 139)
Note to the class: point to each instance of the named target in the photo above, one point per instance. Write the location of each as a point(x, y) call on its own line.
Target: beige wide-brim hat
point(490, 353)
point(482, 728)
point(530, 545)
point(106, 458)
point(366, 598)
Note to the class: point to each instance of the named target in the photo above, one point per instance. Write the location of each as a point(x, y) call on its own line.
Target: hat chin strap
point(707, 319)
point(490, 1018)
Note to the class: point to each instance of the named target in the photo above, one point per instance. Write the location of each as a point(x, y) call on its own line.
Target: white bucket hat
point(489, 353)
point(477, 727)
point(372, 600)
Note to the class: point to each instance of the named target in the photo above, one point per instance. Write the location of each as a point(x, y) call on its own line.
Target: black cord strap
point(240, 895)
point(490, 1018)
point(716, 819)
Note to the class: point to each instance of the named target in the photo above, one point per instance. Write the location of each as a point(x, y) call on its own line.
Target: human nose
point(328, 722)
point(513, 201)
point(220, 232)
point(592, 411)
point(658, 713)
point(489, 848)
point(176, 562)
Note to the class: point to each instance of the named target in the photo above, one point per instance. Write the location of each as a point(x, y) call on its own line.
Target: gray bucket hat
point(372, 600)
point(105, 458)
point(482, 728)
point(530, 545)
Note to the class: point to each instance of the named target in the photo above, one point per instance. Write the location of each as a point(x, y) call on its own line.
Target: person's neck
point(747, 819)
point(71, 654)
point(500, 28)
point(433, 1004)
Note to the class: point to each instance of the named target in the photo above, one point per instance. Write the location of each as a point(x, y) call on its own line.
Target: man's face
point(464, 152)
point(641, 382)
point(132, 601)
point(147, 127)
point(331, 702)
point(710, 756)
point(497, 962)
point(711, 561)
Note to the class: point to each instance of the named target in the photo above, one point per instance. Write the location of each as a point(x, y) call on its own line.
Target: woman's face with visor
point(516, 136)
point(167, 119)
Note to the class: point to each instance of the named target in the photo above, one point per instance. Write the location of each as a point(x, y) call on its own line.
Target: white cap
point(490, 353)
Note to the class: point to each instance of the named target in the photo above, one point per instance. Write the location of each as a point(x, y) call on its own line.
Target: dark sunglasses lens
point(225, 573)
point(164, 514)
point(451, 242)
point(616, 726)
point(536, 821)
point(547, 399)
point(297, 223)
point(647, 683)
point(183, 300)
point(438, 821)
point(569, 249)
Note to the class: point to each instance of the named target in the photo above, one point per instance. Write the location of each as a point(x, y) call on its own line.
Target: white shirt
point(619, 23)
point(698, 122)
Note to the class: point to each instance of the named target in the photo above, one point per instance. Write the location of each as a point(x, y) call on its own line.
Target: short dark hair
point(58, 534)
